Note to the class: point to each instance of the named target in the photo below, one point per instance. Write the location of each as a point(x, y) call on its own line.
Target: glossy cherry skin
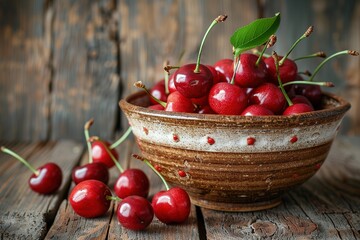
point(301, 99)
point(89, 198)
point(158, 91)
point(100, 154)
point(269, 96)
point(311, 92)
point(135, 213)
point(248, 74)
point(256, 110)
point(132, 182)
point(191, 84)
point(172, 206)
point(176, 102)
point(227, 99)
point(297, 108)
point(156, 107)
point(171, 84)
point(95, 170)
point(288, 70)
point(217, 76)
point(48, 180)
point(226, 68)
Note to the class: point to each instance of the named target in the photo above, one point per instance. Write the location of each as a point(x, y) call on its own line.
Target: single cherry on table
point(46, 179)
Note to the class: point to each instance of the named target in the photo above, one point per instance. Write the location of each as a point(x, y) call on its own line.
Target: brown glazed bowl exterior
point(235, 163)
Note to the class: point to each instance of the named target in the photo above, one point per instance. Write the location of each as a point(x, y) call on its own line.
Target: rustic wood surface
point(62, 62)
point(325, 207)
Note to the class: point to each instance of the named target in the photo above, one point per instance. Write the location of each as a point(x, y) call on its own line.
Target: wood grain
point(85, 81)
point(24, 72)
point(18, 202)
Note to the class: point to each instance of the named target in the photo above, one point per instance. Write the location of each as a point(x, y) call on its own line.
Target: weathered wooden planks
point(26, 214)
point(24, 72)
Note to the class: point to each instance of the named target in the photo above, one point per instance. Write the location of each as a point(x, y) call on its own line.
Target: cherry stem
point(166, 77)
point(87, 136)
point(314, 55)
point(113, 198)
point(139, 84)
point(324, 84)
point(270, 42)
point(220, 18)
point(113, 158)
point(122, 139)
point(305, 35)
point(11, 153)
point(276, 60)
point(138, 157)
point(237, 60)
point(350, 52)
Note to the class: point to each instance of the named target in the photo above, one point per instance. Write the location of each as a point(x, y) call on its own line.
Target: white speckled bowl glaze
point(235, 163)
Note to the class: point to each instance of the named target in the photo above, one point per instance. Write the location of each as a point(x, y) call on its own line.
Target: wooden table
point(325, 207)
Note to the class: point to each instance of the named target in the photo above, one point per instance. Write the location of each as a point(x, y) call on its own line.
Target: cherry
point(95, 170)
point(301, 99)
point(171, 86)
point(195, 80)
point(298, 108)
point(100, 151)
point(227, 99)
point(176, 102)
point(217, 76)
point(156, 107)
point(256, 110)
point(91, 170)
point(312, 92)
point(158, 91)
point(90, 198)
point(132, 182)
point(172, 205)
point(269, 96)
point(206, 110)
point(44, 180)
point(226, 69)
point(193, 84)
point(250, 73)
point(135, 213)
point(288, 71)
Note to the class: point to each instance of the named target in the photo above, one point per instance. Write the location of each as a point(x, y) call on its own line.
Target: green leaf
point(254, 34)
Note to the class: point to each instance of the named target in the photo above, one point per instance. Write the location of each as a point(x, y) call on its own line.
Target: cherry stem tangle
point(87, 137)
point(122, 139)
point(269, 43)
point(138, 157)
point(314, 55)
point(324, 84)
point(220, 18)
point(11, 153)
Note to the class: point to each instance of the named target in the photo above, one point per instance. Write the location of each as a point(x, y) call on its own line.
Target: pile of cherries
point(251, 84)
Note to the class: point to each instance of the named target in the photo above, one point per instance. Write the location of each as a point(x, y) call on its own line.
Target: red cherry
point(100, 153)
point(172, 206)
point(288, 70)
point(193, 84)
point(206, 110)
point(226, 68)
point(171, 84)
point(227, 99)
point(90, 198)
point(217, 76)
point(256, 110)
point(132, 182)
point(156, 107)
point(135, 213)
point(311, 92)
point(199, 102)
point(300, 99)
point(44, 180)
point(248, 74)
point(297, 109)
point(95, 170)
point(176, 102)
point(158, 91)
point(48, 180)
point(269, 96)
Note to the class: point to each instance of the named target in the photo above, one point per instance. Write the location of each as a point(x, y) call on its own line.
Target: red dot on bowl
point(182, 173)
point(210, 140)
point(176, 137)
point(146, 131)
point(158, 168)
point(317, 166)
point(294, 139)
point(250, 141)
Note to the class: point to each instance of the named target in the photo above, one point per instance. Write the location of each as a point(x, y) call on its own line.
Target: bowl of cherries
point(238, 134)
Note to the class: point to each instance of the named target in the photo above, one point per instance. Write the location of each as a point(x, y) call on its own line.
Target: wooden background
point(63, 62)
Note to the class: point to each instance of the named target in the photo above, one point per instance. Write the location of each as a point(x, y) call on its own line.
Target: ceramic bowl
point(235, 163)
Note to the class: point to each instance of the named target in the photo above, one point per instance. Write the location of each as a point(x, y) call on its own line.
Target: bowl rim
point(328, 113)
